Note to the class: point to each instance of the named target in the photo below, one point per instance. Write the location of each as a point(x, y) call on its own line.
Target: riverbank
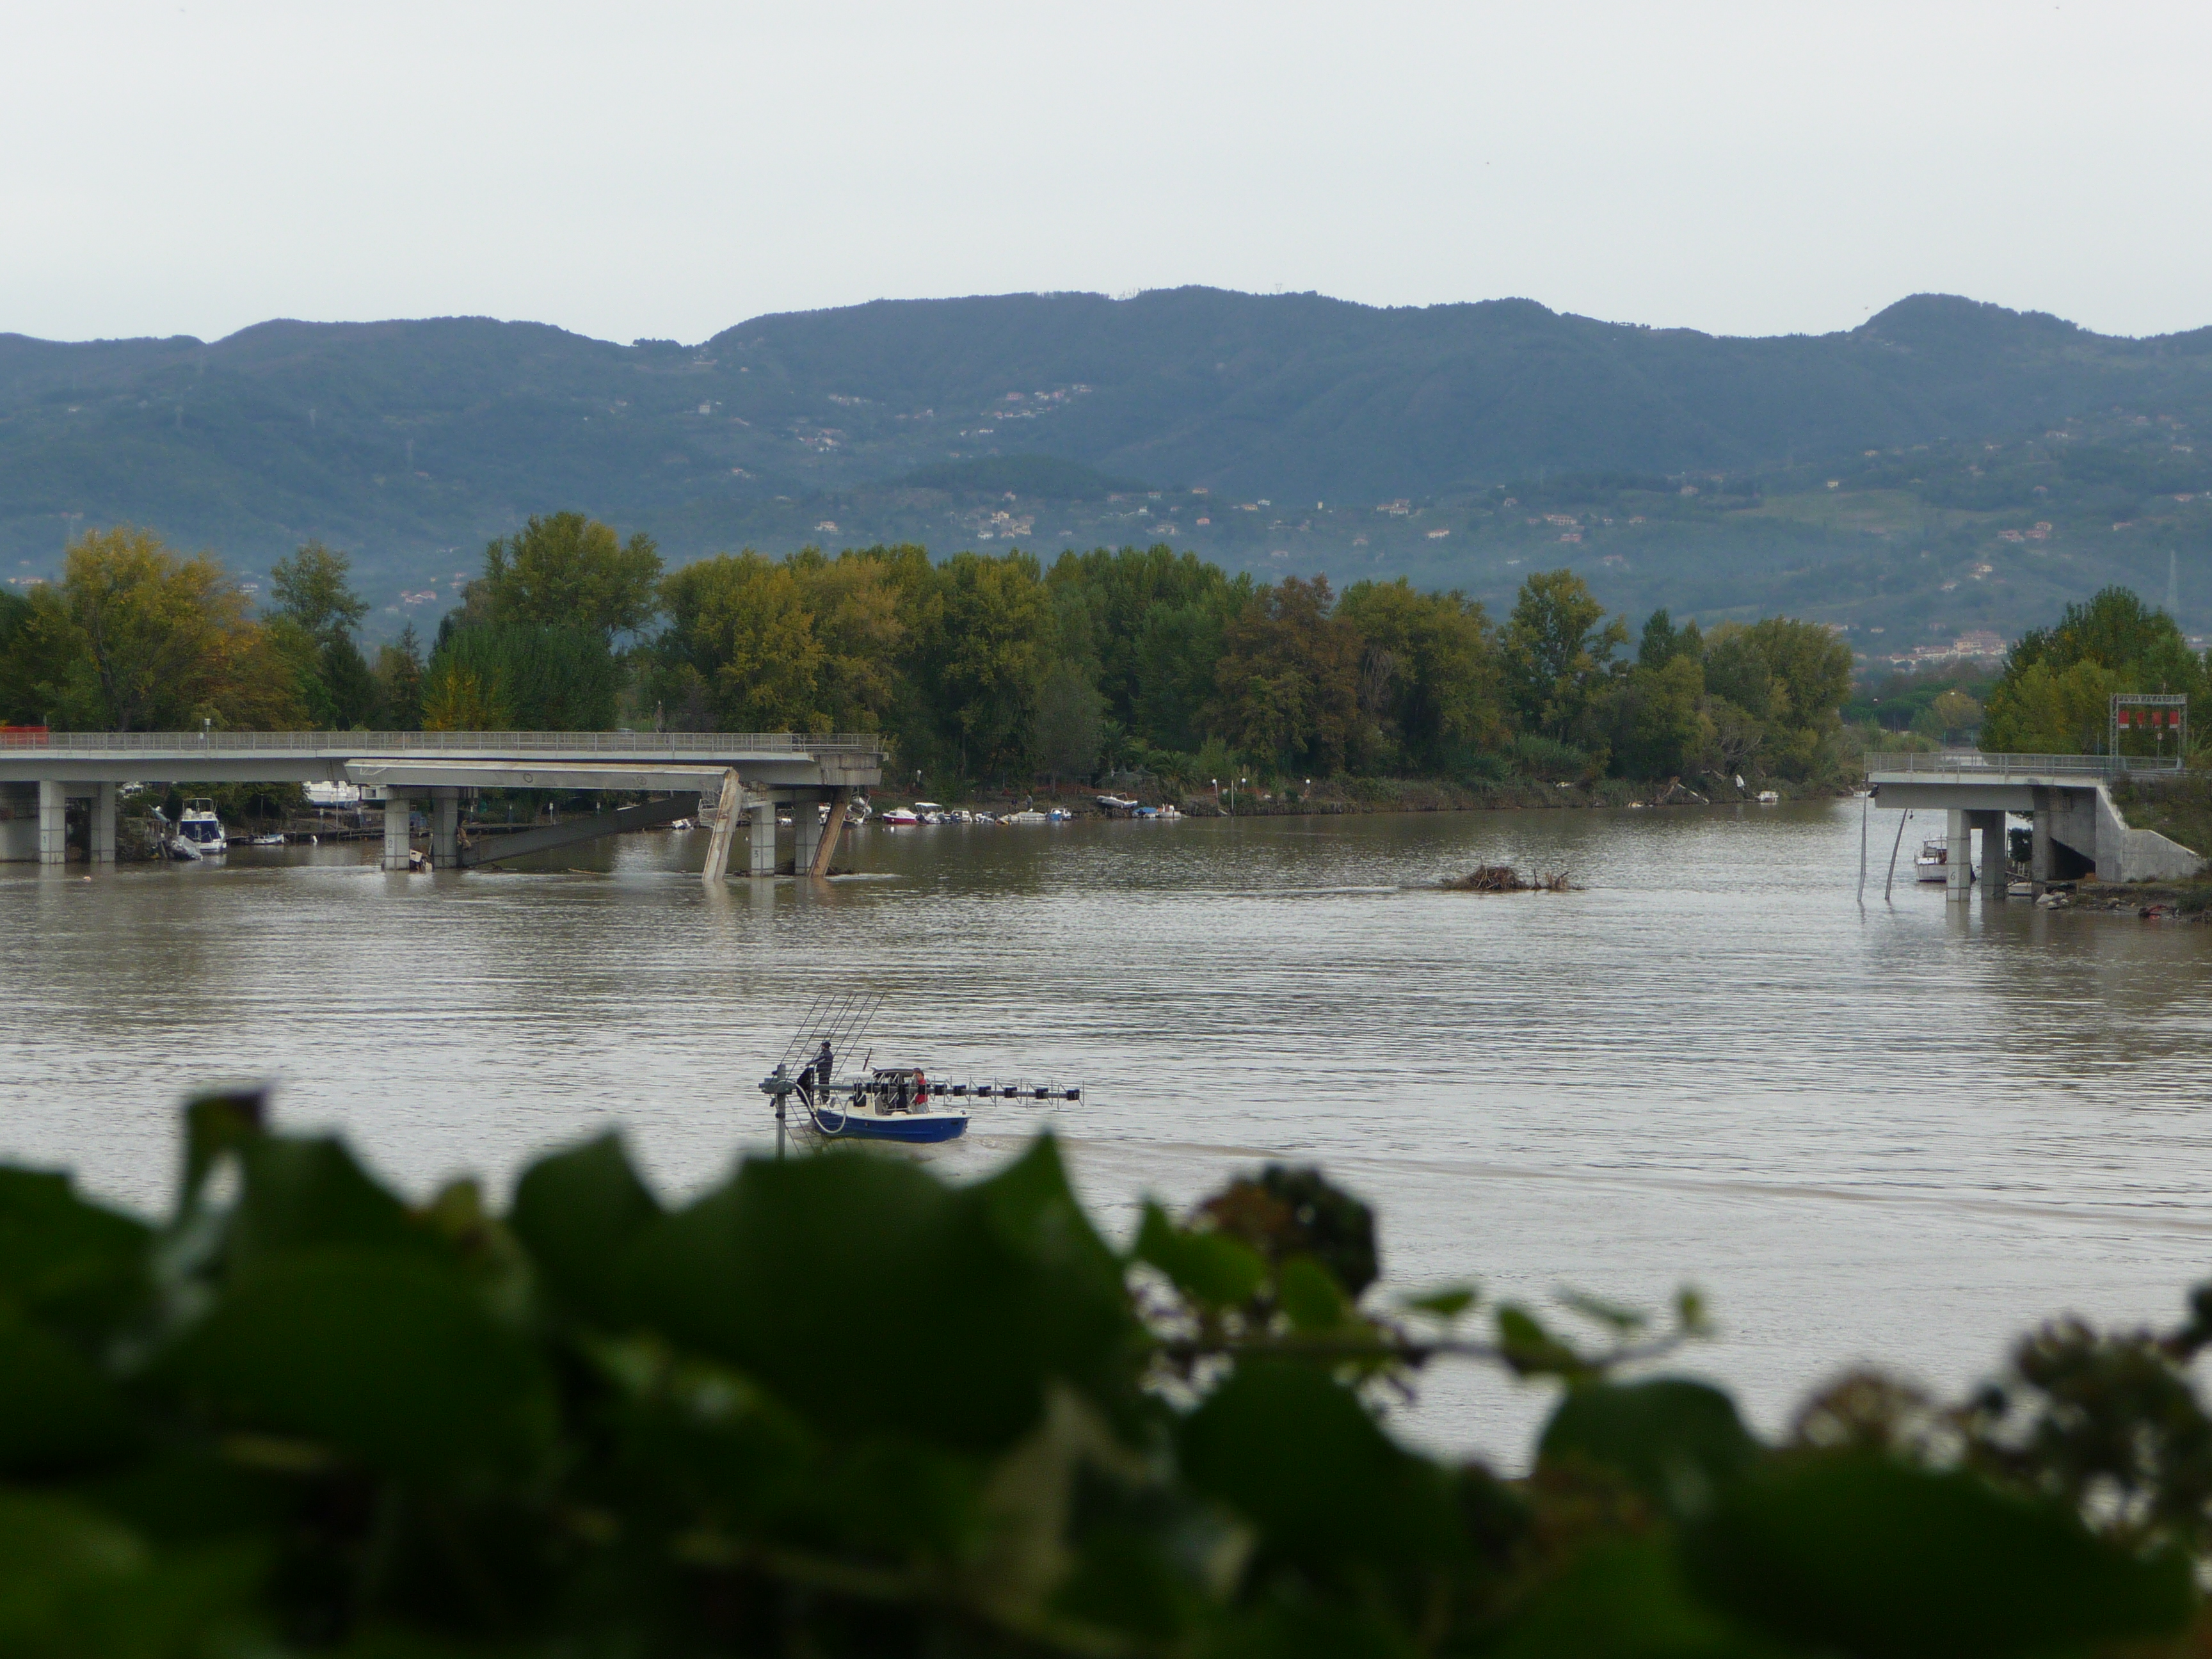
point(1367, 795)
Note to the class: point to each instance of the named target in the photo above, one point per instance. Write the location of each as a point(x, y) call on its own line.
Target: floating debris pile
point(1505, 878)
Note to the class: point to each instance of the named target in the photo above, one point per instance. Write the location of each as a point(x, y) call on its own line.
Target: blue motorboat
point(897, 1104)
point(866, 1114)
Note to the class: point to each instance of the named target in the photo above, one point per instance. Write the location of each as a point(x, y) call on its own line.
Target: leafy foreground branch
point(835, 1407)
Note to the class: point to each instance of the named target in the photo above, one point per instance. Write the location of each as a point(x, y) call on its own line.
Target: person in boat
point(824, 1060)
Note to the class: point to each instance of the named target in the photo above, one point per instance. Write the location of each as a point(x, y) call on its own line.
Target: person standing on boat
point(823, 1061)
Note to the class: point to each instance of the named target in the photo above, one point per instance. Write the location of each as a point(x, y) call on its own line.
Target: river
point(1896, 1132)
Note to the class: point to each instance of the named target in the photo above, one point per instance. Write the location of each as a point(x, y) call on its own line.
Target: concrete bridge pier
point(399, 811)
point(445, 827)
point(1958, 858)
point(103, 824)
point(54, 821)
point(760, 838)
point(1995, 853)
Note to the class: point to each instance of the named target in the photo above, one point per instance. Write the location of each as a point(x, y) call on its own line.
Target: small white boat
point(1030, 817)
point(201, 827)
point(267, 840)
point(1933, 861)
point(1768, 798)
point(897, 815)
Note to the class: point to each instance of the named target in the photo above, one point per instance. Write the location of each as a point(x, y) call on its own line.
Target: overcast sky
point(670, 169)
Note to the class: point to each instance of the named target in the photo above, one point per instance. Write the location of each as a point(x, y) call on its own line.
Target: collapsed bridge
point(734, 776)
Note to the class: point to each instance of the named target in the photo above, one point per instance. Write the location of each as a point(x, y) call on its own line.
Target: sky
point(667, 170)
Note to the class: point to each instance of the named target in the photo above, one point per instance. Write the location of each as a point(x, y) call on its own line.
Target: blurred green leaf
point(1295, 1453)
point(56, 1412)
point(305, 1192)
point(1531, 1350)
point(1074, 1303)
point(1212, 1269)
point(852, 1278)
point(576, 1212)
point(1446, 1304)
point(68, 1263)
point(75, 1585)
point(1622, 1600)
point(1855, 1553)
point(216, 1124)
point(1614, 1316)
point(1678, 1442)
point(1310, 1297)
point(375, 1353)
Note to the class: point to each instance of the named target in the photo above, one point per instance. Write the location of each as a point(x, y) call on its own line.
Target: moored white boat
point(201, 827)
point(1933, 861)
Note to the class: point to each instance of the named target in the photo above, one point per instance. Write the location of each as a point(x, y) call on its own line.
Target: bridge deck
point(623, 760)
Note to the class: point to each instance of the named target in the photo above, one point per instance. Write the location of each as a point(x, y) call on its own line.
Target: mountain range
point(1850, 475)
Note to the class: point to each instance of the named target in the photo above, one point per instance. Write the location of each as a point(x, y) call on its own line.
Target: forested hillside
point(1848, 476)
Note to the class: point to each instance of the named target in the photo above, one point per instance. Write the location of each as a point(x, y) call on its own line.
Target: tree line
point(977, 667)
point(2054, 696)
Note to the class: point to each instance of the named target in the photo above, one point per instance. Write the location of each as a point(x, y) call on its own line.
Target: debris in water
point(1505, 878)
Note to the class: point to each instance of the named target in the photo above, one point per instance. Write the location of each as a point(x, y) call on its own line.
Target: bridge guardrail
point(628, 745)
point(1974, 762)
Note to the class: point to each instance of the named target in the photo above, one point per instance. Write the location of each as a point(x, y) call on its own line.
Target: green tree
point(314, 588)
point(36, 648)
point(1558, 653)
point(496, 677)
point(1287, 682)
point(564, 570)
point(992, 640)
point(1069, 717)
point(1663, 729)
point(313, 628)
point(1429, 671)
point(138, 638)
point(2051, 697)
point(1147, 623)
point(1790, 679)
point(1663, 642)
point(399, 683)
point(805, 644)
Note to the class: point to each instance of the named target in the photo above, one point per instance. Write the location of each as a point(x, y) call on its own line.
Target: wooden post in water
point(1866, 810)
point(1903, 819)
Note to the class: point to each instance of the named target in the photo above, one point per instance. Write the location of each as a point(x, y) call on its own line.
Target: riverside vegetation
point(1142, 663)
point(833, 1406)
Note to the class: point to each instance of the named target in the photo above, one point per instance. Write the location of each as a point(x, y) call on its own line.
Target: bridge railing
point(1974, 762)
point(627, 744)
